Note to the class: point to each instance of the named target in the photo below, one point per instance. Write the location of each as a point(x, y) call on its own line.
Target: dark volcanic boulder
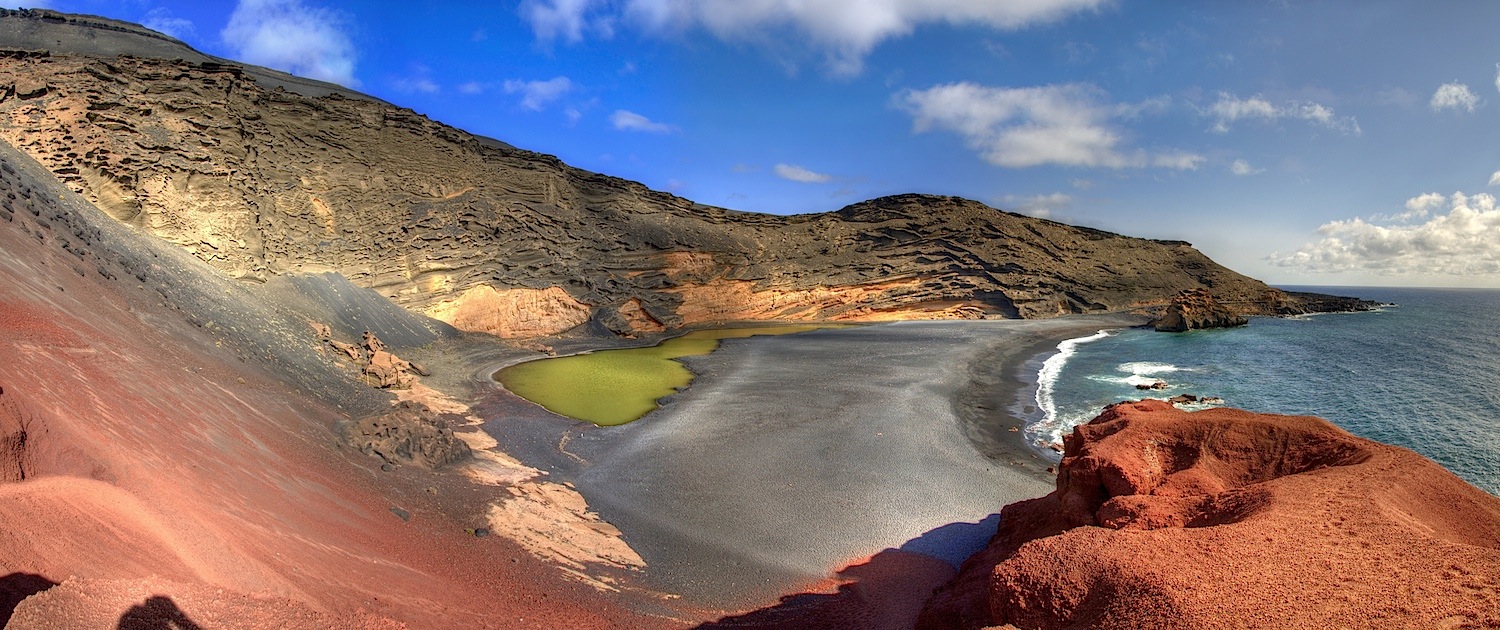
point(1195, 309)
point(410, 434)
point(1223, 518)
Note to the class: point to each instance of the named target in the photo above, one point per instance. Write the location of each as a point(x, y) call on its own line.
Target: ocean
point(1423, 373)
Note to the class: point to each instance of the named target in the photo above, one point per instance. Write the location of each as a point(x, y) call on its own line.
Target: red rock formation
point(1224, 518)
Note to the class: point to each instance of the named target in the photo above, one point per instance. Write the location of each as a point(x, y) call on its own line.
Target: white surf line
point(1046, 382)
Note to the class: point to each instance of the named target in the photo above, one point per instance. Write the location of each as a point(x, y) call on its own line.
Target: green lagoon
point(613, 387)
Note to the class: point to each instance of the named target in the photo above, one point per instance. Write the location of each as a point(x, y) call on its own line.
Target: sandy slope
point(161, 422)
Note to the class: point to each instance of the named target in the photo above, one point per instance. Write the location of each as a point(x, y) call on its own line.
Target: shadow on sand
point(16, 587)
point(885, 592)
point(156, 613)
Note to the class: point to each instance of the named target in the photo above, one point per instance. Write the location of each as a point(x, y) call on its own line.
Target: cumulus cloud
point(626, 120)
point(162, 21)
point(557, 19)
point(419, 81)
point(1069, 125)
point(1243, 168)
point(1453, 96)
point(844, 30)
point(1495, 179)
point(292, 37)
point(1461, 238)
point(535, 95)
point(1230, 109)
point(798, 174)
point(1041, 206)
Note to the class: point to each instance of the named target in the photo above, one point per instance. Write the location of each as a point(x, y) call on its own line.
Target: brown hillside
point(262, 182)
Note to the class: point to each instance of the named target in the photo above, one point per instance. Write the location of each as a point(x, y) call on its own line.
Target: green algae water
point(613, 387)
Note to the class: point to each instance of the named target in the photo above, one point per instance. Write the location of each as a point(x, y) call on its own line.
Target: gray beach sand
point(791, 457)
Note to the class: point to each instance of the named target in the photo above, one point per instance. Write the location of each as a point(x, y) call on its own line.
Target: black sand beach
point(791, 457)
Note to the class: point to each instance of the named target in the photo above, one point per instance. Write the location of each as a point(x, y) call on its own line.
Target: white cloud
point(471, 87)
point(1463, 241)
point(1497, 77)
point(290, 36)
point(1022, 127)
point(1230, 109)
point(557, 19)
point(416, 84)
point(843, 30)
point(420, 80)
point(1243, 168)
point(630, 121)
point(1417, 207)
point(162, 21)
point(1041, 206)
point(535, 95)
point(799, 174)
point(1495, 179)
point(1453, 96)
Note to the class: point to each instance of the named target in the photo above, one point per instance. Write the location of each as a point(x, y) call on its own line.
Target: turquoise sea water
point(1423, 374)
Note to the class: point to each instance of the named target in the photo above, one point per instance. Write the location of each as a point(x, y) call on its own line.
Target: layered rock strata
point(1223, 518)
point(1195, 309)
point(262, 183)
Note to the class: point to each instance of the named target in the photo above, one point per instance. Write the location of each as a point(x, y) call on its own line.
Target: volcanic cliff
point(262, 178)
point(1164, 518)
point(189, 434)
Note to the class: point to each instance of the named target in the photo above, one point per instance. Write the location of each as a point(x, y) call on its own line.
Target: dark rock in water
point(1299, 303)
point(1195, 309)
point(1157, 386)
point(409, 434)
point(1183, 399)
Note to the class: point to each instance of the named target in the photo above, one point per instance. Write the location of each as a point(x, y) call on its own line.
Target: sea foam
point(1049, 428)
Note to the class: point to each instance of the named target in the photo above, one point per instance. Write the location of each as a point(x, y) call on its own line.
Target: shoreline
point(943, 392)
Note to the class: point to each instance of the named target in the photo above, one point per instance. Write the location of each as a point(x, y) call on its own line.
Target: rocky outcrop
point(513, 313)
point(378, 367)
point(264, 183)
point(1196, 309)
point(1301, 302)
point(1159, 513)
point(409, 434)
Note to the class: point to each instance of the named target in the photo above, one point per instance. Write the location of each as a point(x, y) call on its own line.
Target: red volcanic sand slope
point(160, 463)
point(1228, 519)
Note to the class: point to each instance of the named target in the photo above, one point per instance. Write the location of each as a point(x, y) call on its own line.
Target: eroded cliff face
point(1164, 518)
point(262, 183)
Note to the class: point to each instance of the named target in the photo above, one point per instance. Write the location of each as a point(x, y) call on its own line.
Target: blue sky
point(1298, 142)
